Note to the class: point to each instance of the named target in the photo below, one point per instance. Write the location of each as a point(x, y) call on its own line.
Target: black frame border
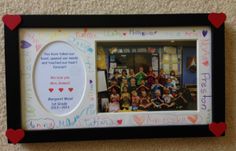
point(107, 21)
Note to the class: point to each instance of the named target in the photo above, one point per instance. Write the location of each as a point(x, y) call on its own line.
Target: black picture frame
point(107, 21)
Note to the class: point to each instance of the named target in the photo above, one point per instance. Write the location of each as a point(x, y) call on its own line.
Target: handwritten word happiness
point(130, 32)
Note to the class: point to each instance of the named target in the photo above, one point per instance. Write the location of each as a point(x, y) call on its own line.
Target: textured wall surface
point(227, 143)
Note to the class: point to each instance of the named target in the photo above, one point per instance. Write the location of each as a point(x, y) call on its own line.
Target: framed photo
point(80, 77)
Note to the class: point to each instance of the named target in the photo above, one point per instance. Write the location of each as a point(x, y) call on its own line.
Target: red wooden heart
point(11, 21)
point(15, 136)
point(217, 128)
point(217, 19)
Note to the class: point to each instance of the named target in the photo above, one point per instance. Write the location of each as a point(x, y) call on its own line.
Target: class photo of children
point(139, 76)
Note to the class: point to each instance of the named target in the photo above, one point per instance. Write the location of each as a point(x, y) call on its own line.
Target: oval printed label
point(59, 78)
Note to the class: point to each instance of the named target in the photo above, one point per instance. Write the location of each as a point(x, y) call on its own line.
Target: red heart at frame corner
point(217, 19)
point(11, 21)
point(217, 128)
point(15, 136)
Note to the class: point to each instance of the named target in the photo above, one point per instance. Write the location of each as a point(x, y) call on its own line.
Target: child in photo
point(161, 77)
point(125, 99)
point(151, 72)
point(124, 74)
point(142, 87)
point(157, 101)
point(140, 76)
point(168, 99)
point(180, 101)
point(131, 73)
point(156, 86)
point(132, 85)
point(174, 81)
point(150, 77)
point(114, 104)
point(124, 83)
point(135, 100)
point(170, 85)
point(116, 77)
point(114, 84)
point(173, 78)
point(145, 102)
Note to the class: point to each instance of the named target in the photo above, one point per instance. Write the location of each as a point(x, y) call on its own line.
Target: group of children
point(142, 91)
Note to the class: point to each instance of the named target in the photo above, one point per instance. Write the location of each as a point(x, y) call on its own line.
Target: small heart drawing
point(217, 19)
point(60, 89)
point(11, 21)
point(193, 118)
point(70, 89)
point(24, 44)
point(204, 33)
point(119, 122)
point(205, 62)
point(15, 136)
point(38, 46)
point(124, 34)
point(217, 128)
point(138, 120)
point(90, 81)
point(50, 89)
point(90, 50)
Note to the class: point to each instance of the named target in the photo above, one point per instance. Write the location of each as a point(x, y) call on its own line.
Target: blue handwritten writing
point(68, 122)
point(46, 123)
point(205, 77)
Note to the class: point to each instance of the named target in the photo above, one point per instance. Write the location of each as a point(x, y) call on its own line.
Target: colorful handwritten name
point(137, 32)
point(70, 122)
point(158, 120)
point(81, 44)
point(85, 34)
point(41, 123)
point(97, 122)
point(204, 88)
